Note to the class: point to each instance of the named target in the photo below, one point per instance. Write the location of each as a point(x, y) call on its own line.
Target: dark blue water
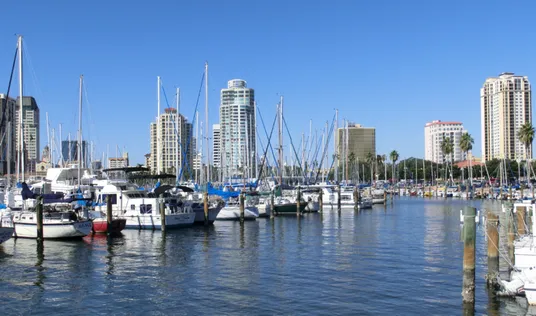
point(401, 260)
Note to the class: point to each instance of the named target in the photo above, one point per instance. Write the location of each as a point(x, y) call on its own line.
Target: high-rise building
point(175, 135)
point(505, 105)
point(216, 145)
point(30, 125)
point(361, 141)
point(69, 151)
point(7, 119)
point(435, 132)
point(237, 129)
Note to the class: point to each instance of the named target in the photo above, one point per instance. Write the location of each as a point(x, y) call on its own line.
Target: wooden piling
point(511, 236)
point(492, 229)
point(321, 200)
point(298, 202)
point(108, 214)
point(241, 201)
point(339, 198)
point(162, 213)
point(384, 197)
point(469, 236)
point(39, 217)
point(205, 207)
point(272, 208)
point(520, 215)
point(467, 190)
point(356, 199)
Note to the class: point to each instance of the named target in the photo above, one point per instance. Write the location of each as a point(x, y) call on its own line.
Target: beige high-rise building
point(505, 104)
point(361, 141)
point(434, 133)
point(175, 134)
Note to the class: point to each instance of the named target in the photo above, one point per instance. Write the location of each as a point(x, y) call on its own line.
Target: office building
point(355, 139)
point(31, 128)
point(69, 151)
point(237, 129)
point(505, 105)
point(434, 133)
point(8, 127)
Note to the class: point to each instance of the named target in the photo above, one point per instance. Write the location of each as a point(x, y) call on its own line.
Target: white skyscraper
point(434, 133)
point(505, 104)
point(237, 125)
point(216, 145)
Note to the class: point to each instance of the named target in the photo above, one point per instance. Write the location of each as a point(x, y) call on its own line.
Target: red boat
point(100, 224)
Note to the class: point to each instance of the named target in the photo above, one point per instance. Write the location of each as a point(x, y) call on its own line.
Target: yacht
point(231, 210)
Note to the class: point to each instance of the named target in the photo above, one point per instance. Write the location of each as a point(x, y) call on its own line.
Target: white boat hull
point(312, 206)
point(54, 230)
point(530, 292)
point(378, 201)
point(233, 213)
point(149, 221)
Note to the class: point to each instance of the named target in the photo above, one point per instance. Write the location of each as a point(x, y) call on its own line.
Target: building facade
point(505, 105)
point(216, 145)
point(434, 133)
point(8, 128)
point(237, 129)
point(355, 139)
point(176, 139)
point(69, 152)
point(31, 128)
point(118, 162)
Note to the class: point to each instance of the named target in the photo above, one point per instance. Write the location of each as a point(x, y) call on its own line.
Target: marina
point(329, 262)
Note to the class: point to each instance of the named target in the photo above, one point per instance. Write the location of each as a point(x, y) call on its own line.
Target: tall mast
point(206, 121)
point(61, 150)
point(254, 139)
point(280, 119)
point(80, 131)
point(336, 151)
point(196, 170)
point(48, 138)
point(21, 127)
point(9, 136)
point(158, 129)
point(346, 151)
point(179, 139)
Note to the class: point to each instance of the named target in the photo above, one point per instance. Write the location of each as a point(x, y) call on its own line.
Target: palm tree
point(466, 144)
point(384, 160)
point(379, 162)
point(351, 160)
point(370, 161)
point(394, 157)
point(526, 136)
point(447, 147)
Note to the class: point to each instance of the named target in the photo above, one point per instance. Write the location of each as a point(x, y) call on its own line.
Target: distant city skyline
point(428, 61)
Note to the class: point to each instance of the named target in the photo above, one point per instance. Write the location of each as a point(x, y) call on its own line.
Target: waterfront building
point(435, 132)
point(216, 145)
point(118, 162)
point(505, 105)
point(175, 133)
point(7, 108)
point(31, 129)
point(237, 129)
point(355, 139)
point(69, 151)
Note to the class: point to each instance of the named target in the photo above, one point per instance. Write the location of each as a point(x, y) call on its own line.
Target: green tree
point(466, 144)
point(526, 136)
point(394, 157)
point(447, 148)
point(370, 161)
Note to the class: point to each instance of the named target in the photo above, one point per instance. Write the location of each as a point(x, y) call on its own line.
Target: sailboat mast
point(178, 133)
point(21, 127)
point(80, 131)
point(346, 151)
point(158, 129)
point(280, 118)
point(206, 121)
point(335, 151)
point(9, 136)
point(196, 170)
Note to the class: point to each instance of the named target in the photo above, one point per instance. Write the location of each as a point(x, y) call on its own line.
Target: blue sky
point(393, 65)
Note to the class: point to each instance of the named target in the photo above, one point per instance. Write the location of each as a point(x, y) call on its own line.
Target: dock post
point(384, 197)
point(469, 240)
point(520, 216)
point(339, 198)
point(108, 214)
point(39, 217)
point(356, 199)
point(467, 190)
point(511, 236)
point(493, 247)
point(205, 207)
point(272, 208)
point(241, 200)
point(321, 200)
point(162, 213)
point(298, 202)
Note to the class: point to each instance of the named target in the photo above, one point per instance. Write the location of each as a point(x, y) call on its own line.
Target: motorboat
point(100, 223)
point(231, 210)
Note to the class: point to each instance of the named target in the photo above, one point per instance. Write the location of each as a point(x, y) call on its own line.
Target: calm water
point(404, 260)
